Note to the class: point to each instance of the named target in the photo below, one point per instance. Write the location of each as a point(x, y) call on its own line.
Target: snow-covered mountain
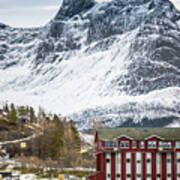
point(117, 61)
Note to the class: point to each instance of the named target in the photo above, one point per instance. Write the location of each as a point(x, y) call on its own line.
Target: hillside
point(48, 140)
point(10, 131)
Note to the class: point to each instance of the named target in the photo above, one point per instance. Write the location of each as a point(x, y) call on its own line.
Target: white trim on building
point(158, 166)
point(149, 165)
point(108, 166)
point(178, 165)
point(138, 166)
point(118, 166)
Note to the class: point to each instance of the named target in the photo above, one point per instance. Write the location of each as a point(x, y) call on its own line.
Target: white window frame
point(141, 145)
point(177, 144)
point(124, 143)
point(152, 145)
point(135, 144)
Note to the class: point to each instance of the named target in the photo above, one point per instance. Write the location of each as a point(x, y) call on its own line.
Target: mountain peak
point(70, 8)
point(103, 20)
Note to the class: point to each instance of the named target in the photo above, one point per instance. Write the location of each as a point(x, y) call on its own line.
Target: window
point(166, 144)
point(177, 144)
point(108, 144)
point(168, 160)
point(178, 160)
point(124, 144)
point(149, 175)
point(118, 175)
point(134, 144)
point(115, 144)
point(158, 175)
point(148, 160)
point(160, 144)
point(178, 175)
point(138, 161)
point(138, 175)
point(142, 144)
point(169, 144)
point(151, 144)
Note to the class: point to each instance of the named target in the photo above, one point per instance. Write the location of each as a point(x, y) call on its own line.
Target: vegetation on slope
point(56, 141)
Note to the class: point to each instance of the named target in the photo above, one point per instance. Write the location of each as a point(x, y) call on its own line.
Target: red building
point(137, 154)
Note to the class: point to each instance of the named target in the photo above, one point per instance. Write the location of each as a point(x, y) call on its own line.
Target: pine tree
point(33, 118)
point(27, 109)
point(55, 118)
point(12, 114)
point(56, 143)
point(22, 111)
point(76, 136)
point(6, 108)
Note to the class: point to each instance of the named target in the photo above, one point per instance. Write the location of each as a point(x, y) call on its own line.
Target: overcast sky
point(30, 13)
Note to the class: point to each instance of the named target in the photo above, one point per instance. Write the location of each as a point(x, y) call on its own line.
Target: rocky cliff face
point(117, 61)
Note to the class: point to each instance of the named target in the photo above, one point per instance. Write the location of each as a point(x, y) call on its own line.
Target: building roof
point(139, 133)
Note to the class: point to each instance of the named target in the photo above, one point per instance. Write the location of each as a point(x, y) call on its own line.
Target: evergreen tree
point(76, 136)
point(56, 145)
point(6, 108)
point(27, 109)
point(22, 111)
point(55, 118)
point(33, 118)
point(12, 114)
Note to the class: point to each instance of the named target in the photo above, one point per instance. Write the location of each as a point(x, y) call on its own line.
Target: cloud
point(31, 8)
point(176, 3)
point(50, 8)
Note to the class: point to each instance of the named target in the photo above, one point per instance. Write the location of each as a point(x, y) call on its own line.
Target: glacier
point(115, 61)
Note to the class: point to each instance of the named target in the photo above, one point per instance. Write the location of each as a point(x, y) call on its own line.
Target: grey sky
point(29, 13)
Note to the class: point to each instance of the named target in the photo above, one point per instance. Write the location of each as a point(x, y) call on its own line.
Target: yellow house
point(63, 177)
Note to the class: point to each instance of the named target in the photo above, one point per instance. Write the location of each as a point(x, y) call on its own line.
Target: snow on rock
point(87, 138)
point(116, 61)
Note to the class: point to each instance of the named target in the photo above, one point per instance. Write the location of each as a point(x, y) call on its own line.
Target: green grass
point(139, 133)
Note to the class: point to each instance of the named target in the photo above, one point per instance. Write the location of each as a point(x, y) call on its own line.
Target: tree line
point(57, 139)
point(16, 114)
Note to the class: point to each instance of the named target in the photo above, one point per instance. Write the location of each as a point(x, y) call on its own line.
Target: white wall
point(118, 165)
point(178, 165)
point(138, 165)
point(148, 165)
point(128, 165)
point(168, 156)
point(108, 166)
point(158, 166)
